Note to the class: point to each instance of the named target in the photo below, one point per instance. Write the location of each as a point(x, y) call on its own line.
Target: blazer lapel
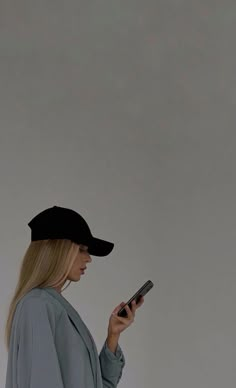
point(81, 328)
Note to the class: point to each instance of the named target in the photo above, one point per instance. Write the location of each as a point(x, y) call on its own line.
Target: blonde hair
point(46, 263)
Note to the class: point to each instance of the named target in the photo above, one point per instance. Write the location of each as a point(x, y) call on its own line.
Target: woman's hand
point(118, 324)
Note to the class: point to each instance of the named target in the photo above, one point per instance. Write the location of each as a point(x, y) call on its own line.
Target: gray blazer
point(51, 347)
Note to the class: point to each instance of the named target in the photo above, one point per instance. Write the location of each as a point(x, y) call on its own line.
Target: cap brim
point(98, 247)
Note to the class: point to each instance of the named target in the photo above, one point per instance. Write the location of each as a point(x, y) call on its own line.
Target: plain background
point(125, 112)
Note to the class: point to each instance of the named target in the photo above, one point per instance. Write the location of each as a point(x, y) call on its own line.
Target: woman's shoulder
point(37, 299)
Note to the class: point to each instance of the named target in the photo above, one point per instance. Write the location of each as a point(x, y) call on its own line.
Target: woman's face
point(81, 261)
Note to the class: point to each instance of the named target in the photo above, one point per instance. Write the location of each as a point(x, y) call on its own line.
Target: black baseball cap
point(62, 223)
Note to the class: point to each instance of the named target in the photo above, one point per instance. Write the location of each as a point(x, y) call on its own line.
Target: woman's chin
point(75, 278)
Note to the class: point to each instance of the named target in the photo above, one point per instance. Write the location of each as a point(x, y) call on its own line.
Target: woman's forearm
point(112, 342)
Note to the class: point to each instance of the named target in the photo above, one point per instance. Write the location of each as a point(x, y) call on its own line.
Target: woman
point(49, 345)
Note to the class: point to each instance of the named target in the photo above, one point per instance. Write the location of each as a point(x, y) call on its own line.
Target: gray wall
point(125, 111)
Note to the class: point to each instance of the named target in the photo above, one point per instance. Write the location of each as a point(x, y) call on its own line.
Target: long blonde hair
point(46, 263)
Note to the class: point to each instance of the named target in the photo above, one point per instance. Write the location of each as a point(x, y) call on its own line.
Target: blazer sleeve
point(37, 361)
point(112, 365)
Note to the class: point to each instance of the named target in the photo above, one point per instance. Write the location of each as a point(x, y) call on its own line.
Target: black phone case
point(141, 292)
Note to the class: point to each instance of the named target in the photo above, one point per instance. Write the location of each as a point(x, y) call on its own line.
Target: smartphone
point(141, 292)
